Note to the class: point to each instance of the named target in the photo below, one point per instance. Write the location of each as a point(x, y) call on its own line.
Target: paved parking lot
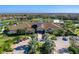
point(61, 45)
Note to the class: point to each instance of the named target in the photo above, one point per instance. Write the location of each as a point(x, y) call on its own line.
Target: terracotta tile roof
point(20, 26)
point(29, 24)
point(51, 25)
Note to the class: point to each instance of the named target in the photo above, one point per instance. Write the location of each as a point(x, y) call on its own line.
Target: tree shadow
point(63, 50)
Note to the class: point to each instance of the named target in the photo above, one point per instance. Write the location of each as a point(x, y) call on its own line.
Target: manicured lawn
point(4, 22)
point(1, 42)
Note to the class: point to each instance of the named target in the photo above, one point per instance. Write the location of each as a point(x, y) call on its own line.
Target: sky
point(39, 8)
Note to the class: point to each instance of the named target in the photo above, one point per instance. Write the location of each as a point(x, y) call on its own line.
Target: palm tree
point(69, 26)
point(52, 37)
point(48, 47)
point(32, 46)
point(45, 47)
point(49, 36)
point(35, 45)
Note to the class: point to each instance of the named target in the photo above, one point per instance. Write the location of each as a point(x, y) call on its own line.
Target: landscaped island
point(39, 33)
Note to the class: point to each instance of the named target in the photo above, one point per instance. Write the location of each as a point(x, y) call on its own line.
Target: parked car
point(65, 39)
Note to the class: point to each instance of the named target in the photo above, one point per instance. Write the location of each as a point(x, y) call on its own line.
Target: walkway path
point(19, 48)
point(60, 45)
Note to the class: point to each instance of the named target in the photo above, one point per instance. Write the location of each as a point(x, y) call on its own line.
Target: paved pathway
point(61, 44)
point(18, 48)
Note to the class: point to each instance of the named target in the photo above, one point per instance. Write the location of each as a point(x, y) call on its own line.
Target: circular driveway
point(61, 45)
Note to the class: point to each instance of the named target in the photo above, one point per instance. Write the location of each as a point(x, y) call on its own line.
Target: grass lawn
point(4, 38)
point(4, 22)
point(1, 42)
